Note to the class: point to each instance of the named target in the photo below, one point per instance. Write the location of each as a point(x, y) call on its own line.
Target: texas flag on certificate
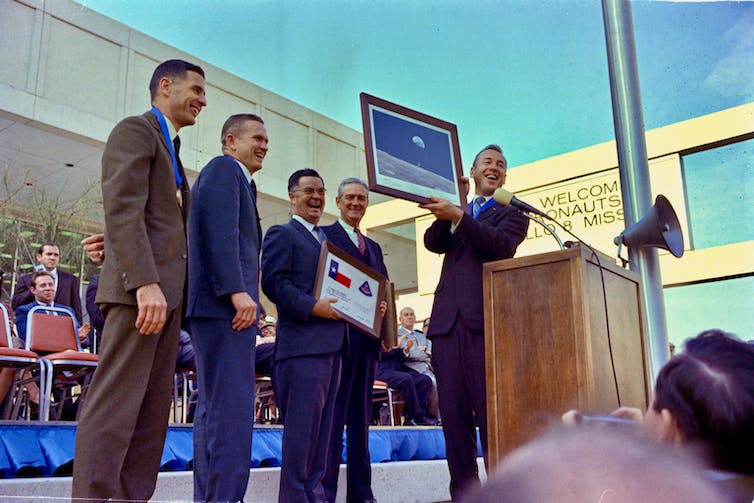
point(337, 276)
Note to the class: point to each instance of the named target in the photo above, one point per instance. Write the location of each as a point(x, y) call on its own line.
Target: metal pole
point(634, 168)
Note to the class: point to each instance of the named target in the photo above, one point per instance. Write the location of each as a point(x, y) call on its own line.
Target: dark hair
point(41, 249)
point(36, 274)
point(294, 178)
point(172, 68)
point(235, 124)
point(709, 388)
point(491, 146)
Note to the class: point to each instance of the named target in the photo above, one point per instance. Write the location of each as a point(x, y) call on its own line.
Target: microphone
point(507, 198)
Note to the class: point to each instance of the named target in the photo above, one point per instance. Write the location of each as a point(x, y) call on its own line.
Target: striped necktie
point(476, 207)
point(362, 242)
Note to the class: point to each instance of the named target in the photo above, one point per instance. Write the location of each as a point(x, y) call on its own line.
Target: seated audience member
point(262, 315)
point(185, 359)
point(267, 330)
point(413, 386)
point(596, 465)
point(265, 346)
point(419, 357)
point(42, 286)
point(66, 284)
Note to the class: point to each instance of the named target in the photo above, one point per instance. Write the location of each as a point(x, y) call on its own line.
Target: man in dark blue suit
point(489, 231)
point(310, 340)
point(223, 294)
point(66, 284)
point(353, 405)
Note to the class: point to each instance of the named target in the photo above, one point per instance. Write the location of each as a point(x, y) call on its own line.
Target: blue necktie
point(319, 234)
point(476, 206)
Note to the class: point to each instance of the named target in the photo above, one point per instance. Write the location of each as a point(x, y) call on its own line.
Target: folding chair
point(265, 409)
point(22, 362)
point(381, 392)
point(53, 333)
point(184, 387)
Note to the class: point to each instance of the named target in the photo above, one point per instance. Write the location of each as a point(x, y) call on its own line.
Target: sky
point(528, 75)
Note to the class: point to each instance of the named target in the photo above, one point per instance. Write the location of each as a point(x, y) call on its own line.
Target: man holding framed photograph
point(353, 405)
point(487, 232)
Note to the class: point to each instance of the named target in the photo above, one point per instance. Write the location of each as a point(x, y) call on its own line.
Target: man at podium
point(486, 232)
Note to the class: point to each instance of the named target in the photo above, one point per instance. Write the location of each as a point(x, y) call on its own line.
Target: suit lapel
point(185, 188)
point(253, 196)
point(344, 241)
point(305, 233)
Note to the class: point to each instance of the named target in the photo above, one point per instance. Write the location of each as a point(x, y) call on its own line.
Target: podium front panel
point(547, 344)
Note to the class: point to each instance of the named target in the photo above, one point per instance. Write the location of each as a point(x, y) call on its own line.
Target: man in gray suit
point(223, 294)
point(121, 433)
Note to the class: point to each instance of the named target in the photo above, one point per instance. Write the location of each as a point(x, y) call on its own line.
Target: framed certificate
point(389, 333)
point(358, 288)
point(410, 155)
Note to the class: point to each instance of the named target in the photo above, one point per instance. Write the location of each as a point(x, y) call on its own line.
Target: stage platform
point(36, 460)
point(45, 449)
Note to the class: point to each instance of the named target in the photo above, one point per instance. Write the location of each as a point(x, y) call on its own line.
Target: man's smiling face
point(488, 172)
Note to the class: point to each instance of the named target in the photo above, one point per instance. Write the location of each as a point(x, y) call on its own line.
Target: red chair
point(52, 333)
point(22, 362)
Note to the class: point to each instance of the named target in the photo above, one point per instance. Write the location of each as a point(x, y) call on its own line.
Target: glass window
point(720, 194)
point(722, 304)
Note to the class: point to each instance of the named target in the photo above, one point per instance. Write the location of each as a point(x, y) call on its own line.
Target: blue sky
point(529, 75)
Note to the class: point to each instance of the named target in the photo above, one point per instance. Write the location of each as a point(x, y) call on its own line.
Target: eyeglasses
point(309, 191)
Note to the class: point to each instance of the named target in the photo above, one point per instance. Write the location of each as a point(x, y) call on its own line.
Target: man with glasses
point(310, 338)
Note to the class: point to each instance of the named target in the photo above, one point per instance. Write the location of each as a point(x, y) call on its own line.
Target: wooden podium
point(547, 345)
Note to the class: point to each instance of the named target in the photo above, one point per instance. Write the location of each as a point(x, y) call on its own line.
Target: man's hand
point(94, 246)
point(631, 413)
point(383, 308)
point(408, 347)
point(323, 309)
point(246, 310)
point(153, 309)
point(84, 332)
point(443, 209)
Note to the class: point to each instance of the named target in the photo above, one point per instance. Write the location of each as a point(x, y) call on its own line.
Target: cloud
point(734, 74)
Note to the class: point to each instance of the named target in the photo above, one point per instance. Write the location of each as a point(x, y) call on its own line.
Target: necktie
point(319, 234)
point(254, 190)
point(362, 241)
point(477, 206)
point(177, 150)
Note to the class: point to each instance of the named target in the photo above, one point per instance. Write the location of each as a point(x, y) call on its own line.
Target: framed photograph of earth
point(410, 155)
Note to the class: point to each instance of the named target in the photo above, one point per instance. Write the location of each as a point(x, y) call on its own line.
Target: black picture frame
point(410, 155)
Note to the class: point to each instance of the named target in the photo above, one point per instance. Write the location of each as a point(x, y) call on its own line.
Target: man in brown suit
point(121, 433)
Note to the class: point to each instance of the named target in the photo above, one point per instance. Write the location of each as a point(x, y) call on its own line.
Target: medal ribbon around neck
point(169, 141)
